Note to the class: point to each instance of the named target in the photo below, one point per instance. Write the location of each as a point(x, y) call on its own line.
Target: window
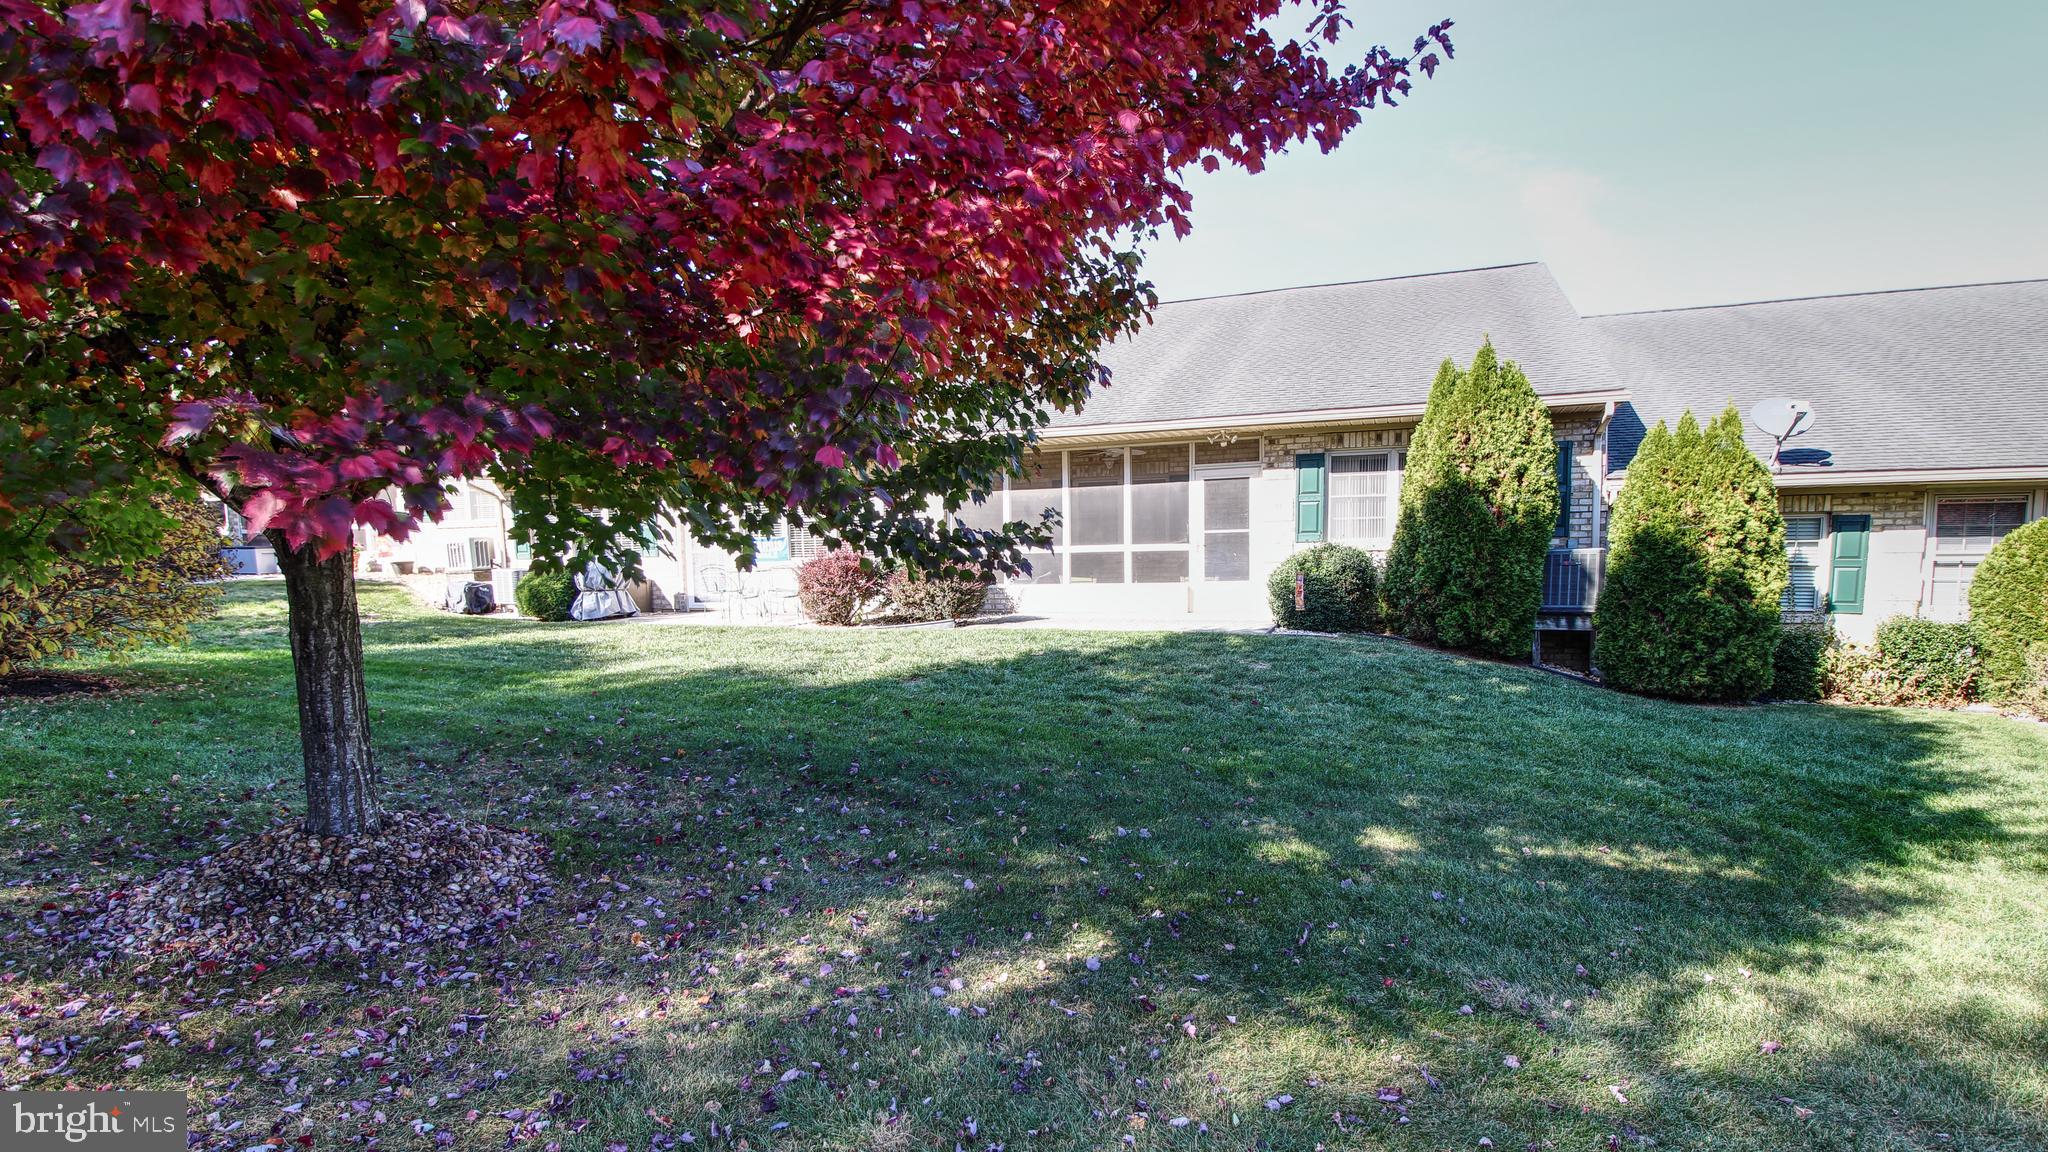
point(458, 556)
point(482, 504)
point(1362, 497)
point(1965, 528)
point(802, 544)
point(480, 553)
point(1805, 538)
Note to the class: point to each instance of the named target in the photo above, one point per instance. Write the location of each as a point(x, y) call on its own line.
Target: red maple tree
point(725, 260)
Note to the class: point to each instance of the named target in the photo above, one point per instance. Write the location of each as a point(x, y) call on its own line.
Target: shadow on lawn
point(1379, 834)
point(1382, 834)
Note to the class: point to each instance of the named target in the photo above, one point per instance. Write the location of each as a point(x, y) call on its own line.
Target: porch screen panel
point(1041, 489)
point(1226, 528)
point(1095, 567)
point(985, 515)
point(1095, 481)
point(1159, 494)
point(1360, 487)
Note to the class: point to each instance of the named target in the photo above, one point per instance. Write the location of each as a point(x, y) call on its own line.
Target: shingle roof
point(1923, 378)
point(1341, 346)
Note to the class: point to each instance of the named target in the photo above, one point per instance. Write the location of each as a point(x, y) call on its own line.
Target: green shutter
point(1850, 564)
point(1308, 495)
point(1564, 489)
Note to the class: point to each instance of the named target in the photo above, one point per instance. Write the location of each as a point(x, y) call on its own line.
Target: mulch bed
point(43, 685)
point(424, 879)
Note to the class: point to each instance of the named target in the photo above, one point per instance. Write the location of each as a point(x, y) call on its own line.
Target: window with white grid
point(1362, 497)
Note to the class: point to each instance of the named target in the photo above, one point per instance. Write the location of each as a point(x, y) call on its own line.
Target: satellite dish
point(1781, 418)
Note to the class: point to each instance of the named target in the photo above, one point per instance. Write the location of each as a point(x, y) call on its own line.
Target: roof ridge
point(1818, 296)
point(1354, 283)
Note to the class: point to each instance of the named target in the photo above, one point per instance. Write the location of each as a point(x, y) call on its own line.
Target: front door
point(1222, 531)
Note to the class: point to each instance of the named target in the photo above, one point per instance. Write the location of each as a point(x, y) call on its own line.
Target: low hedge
point(545, 595)
point(1799, 666)
point(930, 597)
point(1339, 590)
point(1937, 660)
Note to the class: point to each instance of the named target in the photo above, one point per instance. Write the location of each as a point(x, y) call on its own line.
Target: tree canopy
point(733, 260)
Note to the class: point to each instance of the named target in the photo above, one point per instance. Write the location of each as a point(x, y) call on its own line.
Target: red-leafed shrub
point(837, 587)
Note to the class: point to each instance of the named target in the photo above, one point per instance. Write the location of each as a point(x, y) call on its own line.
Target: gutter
point(1375, 413)
point(1887, 477)
point(1833, 479)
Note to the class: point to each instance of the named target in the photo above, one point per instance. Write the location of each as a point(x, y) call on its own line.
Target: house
point(1930, 440)
point(1238, 429)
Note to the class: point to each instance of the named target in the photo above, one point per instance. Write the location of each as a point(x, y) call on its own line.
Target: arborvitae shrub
point(1799, 663)
point(1339, 590)
point(2009, 606)
point(1479, 504)
point(545, 595)
point(836, 588)
point(935, 596)
point(1695, 570)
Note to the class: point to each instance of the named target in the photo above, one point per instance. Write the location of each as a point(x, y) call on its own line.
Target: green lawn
point(1339, 893)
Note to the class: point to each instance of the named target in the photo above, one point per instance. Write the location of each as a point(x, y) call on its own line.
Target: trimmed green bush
point(1696, 568)
point(935, 596)
point(1339, 590)
point(545, 595)
point(1478, 508)
point(837, 587)
point(1799, 664)
point(1932, 661)
point(2032, 693)
point(2009, 606)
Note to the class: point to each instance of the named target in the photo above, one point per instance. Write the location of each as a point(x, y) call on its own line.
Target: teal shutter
point(1309, 488)
point(1564, 489)
point(1851, 563)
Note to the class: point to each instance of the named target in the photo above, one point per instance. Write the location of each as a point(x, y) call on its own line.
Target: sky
point(1662, 154)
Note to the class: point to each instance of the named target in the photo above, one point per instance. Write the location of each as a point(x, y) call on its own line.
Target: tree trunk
point(334, 713)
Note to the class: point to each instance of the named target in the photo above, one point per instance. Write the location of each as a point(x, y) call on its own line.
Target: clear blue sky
point(1660, 154)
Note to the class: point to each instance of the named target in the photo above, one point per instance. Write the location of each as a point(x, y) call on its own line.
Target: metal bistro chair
point(718, 582)
point(778, 592)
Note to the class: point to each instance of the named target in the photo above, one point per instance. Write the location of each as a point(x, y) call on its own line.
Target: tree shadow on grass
point(1649, 891)
point(1339, 844)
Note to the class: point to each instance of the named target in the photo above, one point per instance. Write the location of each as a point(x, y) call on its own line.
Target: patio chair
point(779, 592)
point(717, 582)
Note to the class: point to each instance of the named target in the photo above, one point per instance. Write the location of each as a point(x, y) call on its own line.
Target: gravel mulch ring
point(426, 878)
